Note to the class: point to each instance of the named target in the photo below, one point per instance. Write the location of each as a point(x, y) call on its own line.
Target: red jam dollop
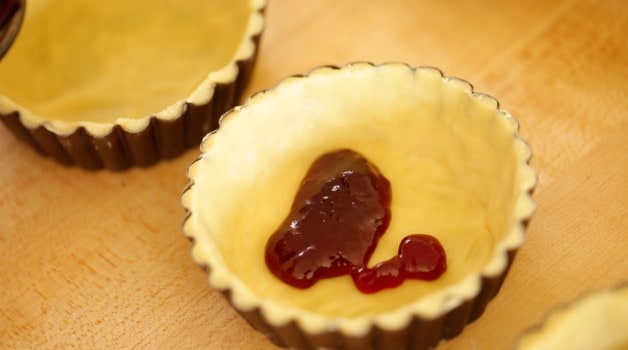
point(339, 213)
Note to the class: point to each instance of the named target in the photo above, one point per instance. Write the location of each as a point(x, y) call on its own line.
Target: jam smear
point(339, 213)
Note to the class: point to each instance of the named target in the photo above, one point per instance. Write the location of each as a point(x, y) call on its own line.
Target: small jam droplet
point(420, 257)
point(340, 211)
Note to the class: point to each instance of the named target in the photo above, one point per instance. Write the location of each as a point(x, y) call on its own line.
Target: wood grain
point(97, 259)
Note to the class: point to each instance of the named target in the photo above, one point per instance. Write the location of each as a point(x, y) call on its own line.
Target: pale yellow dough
point(92, 60)
point(450, 160)
point(598, 321)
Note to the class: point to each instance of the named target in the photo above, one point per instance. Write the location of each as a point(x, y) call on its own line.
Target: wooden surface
point(97, 259)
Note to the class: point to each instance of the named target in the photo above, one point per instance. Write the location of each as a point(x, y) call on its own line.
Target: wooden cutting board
point(98, 260)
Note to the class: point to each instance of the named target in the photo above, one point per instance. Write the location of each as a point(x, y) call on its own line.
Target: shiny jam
point(339, 213)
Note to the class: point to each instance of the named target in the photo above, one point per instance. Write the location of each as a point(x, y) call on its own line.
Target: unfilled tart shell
point(458, 171)
point(597, 320)
point(126, 83)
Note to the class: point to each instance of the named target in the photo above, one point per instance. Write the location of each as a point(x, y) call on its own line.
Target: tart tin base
point(411, 326)
point(594, 320)
point(142, 142)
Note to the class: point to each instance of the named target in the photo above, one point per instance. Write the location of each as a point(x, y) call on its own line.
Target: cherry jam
point(340, 211)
